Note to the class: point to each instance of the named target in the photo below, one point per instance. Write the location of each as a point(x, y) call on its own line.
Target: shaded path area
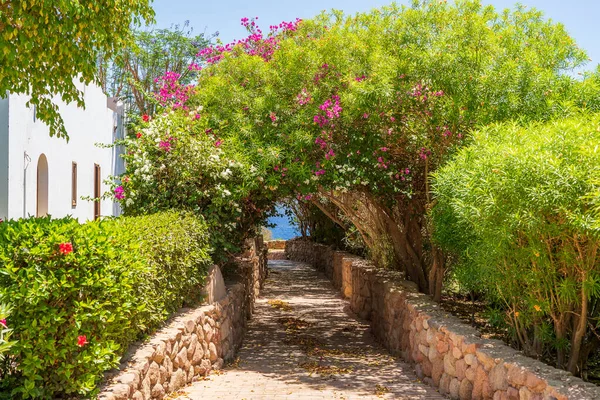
point(304, 343)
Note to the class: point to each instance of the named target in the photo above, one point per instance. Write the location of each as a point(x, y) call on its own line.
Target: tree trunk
point(436, 274)
point(578, 334)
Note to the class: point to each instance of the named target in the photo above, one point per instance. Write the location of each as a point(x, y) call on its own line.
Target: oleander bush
point(517, 207)
point(81, 293)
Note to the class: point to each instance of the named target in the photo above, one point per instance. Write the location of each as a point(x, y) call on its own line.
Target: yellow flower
point(516, 313)
point(537, 308)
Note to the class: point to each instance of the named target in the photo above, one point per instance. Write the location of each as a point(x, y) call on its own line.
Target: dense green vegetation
point(81, 293)
point(348, 116)
point(49, 45)
point(512, 206)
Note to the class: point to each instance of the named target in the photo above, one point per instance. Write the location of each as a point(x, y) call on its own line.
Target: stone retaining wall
point(447, 353)
point(276, 244)
point(196, 341)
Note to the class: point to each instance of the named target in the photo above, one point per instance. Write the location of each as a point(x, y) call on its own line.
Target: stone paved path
point(304, 343)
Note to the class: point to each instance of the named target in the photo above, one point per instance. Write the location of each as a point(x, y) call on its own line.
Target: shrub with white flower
point(174, 161)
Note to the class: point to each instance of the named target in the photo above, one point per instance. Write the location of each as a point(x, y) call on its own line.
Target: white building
point(42, 175)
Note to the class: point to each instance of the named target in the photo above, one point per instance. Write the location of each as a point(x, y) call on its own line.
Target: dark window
point(74, 185)
point(97, 189)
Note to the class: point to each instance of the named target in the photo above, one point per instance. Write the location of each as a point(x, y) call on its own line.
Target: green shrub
point(175, 248)
point(513, 206)
point(80, 293)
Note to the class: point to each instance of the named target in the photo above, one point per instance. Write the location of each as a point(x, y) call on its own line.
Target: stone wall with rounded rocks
point(196, 341)
point(447, 353)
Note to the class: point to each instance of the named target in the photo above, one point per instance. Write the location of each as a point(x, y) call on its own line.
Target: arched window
point(42, 186)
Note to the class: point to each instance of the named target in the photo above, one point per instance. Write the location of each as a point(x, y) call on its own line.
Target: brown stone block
point(454, 389)
point(445, 383)
point(461, 368)
point(466, 390)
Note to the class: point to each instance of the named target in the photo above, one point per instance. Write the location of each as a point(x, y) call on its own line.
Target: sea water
point(283, 228)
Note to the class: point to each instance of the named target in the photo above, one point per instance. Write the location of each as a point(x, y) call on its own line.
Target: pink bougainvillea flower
point(65, 248)
point(120, 192)
point(138, 135)
point(218, 143)
point(273, 117)
point(145, 118)
point(165, 145)
point(197, 116)
point(82, 340)
point(3, 323)
point(365, 115)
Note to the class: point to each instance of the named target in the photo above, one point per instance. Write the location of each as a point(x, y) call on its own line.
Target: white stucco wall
point(28, 139)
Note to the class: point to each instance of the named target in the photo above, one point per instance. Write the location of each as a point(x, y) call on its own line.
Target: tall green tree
point(134, 73)
point(48, 44)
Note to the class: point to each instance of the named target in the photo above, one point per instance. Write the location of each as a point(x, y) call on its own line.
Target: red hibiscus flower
point(65, 248)
point(138, 135)
point(81, 340)
point(145, 117)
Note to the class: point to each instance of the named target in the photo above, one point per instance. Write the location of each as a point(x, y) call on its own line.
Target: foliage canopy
point(49, 44)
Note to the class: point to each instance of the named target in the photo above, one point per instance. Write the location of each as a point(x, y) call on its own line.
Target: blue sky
point(579, 16)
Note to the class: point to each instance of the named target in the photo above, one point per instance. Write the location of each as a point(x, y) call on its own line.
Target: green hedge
point(80, 293)
point(515, 207)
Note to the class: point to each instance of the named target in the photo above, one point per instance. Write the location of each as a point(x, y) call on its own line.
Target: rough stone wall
point(447, 353)
point(276, 244)
point(195, 342)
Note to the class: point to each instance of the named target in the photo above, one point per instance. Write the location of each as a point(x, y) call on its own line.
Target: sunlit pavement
point(304, 343)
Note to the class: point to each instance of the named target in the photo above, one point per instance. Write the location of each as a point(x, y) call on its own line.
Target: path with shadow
point(304, 343)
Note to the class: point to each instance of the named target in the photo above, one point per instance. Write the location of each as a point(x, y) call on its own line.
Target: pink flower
point(273, 117)
point(197, 116)
point(119, 193)
point(218, 143)
point(3, 323)
point(165, 145)
point(365, 115)
point(65, 248)
point(81, 340)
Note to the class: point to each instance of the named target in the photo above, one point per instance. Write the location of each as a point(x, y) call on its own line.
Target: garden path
point(304, 343)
